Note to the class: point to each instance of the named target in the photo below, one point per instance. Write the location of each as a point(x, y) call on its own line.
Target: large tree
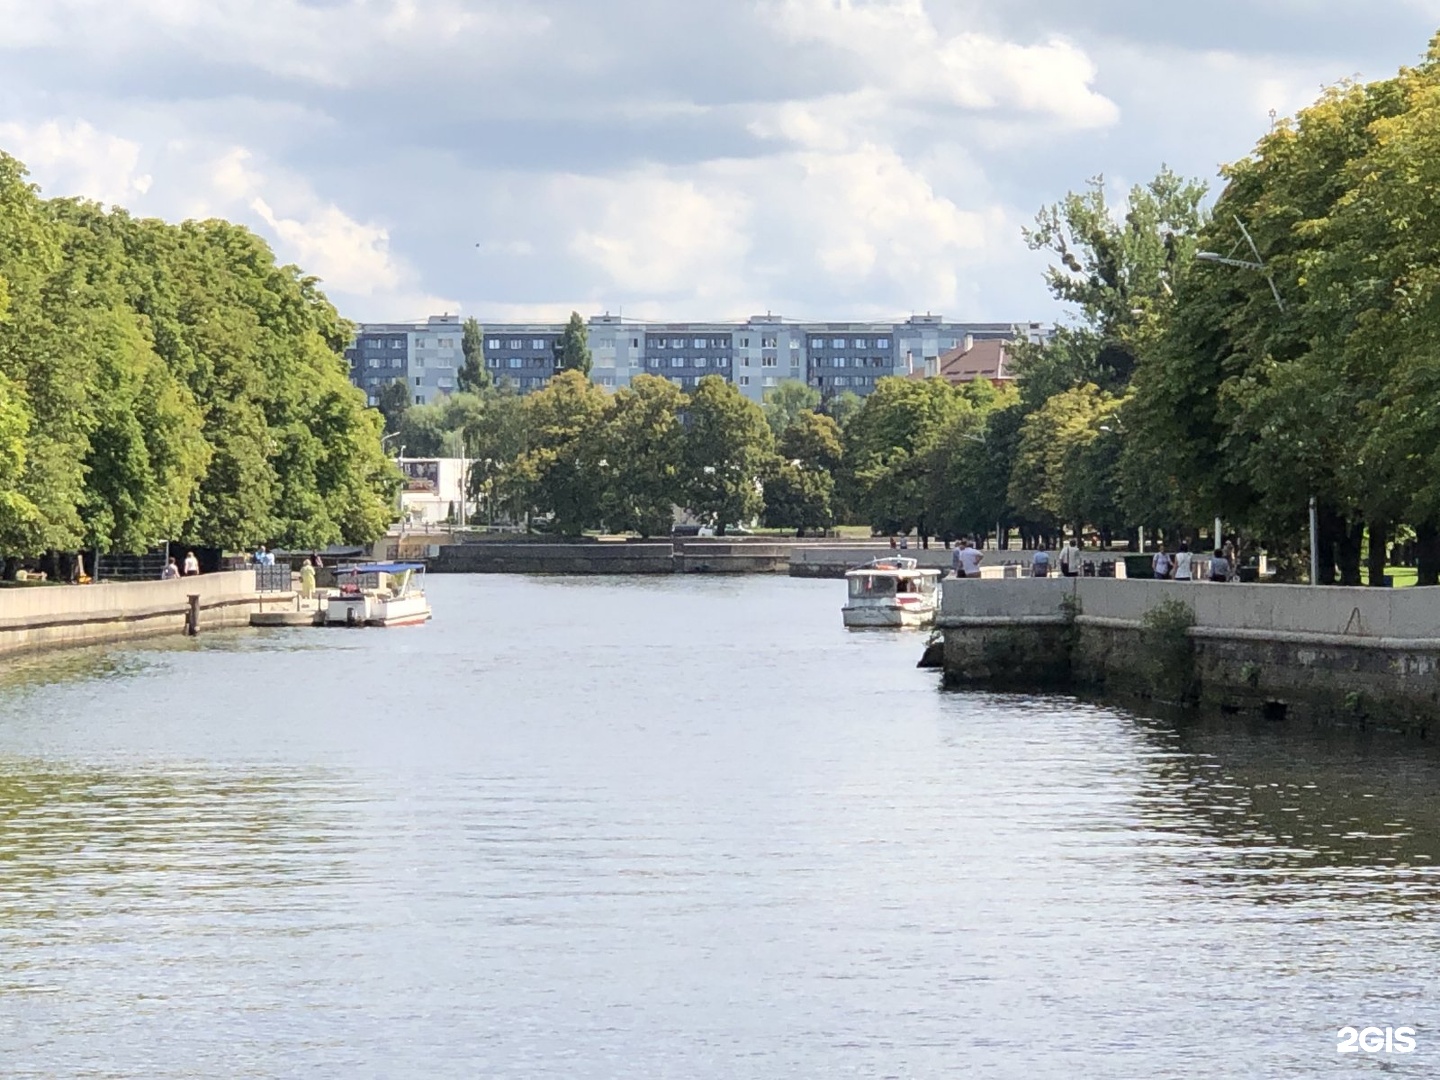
point(572, 347)
point(728, 446)
point(642, 446)
point(473, 376)
point(561, 464)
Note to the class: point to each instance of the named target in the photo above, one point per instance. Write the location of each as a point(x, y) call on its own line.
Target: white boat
point(378, 594)
point(892, 592)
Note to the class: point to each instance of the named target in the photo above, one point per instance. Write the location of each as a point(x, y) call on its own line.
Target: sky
point(687, 160)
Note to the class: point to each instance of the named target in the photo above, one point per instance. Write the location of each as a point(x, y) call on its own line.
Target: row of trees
point(170, 382)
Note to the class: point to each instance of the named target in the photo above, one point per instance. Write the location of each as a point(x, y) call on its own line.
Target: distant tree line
point(170, 383)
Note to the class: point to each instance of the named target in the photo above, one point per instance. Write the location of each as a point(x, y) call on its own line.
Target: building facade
point(425, 356)
point(756, 355)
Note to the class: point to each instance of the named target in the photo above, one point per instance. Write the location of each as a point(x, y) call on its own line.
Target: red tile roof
point(982, 360)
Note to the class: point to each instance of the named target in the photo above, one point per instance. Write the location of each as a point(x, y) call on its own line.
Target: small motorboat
point(378, 594)
point(892, 592)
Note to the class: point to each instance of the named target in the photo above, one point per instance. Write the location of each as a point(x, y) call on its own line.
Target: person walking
point(1162, 564)
point(1184, 562)
point(171, 571)
point(1040, 564)
point(957, 568)
point(1069, 559)
point(904, 541)
point(192, 564)
point(307, 580)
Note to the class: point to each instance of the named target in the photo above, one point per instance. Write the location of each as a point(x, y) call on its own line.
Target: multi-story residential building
point(426, 356)
point(756, 355)
point(521, 354)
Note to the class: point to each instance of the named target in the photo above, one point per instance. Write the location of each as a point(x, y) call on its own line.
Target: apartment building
point(426, 356)
point(756, 355)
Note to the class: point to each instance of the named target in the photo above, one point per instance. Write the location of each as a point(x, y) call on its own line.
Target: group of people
point(1185, 565)
point(191, 568)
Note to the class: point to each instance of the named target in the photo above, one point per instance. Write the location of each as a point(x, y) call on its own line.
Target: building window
point(768, 343)
point(882, 343)
point(744, 343)
point(493, 343)
point(769, 361)
point(397, 345)
point(419, 399)
point(769, 380)
point(700, 343)
point(744, 361)
point(537, 343)
point(654, 361)
point(493, 361)
point(841, 361)
point(700, 361)
point(634, 342)
point(744, 380)
point(722, 361)
point(516, 362)
point(838, 343)
point(860, 343)
point(677, 361)
point(841, 380)
point(419, 361)
point(374, 362)
point(516, 343)
point(397, 361)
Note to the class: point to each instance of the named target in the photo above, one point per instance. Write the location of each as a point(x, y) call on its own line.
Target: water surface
point(682, 828)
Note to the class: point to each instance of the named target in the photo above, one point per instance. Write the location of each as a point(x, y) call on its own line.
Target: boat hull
point(887, 617)
point(405, 611)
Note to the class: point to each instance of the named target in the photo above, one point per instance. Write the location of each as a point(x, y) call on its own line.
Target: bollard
point(192, 617)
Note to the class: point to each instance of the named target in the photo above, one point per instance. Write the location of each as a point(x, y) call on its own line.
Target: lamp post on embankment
point(1259, 264)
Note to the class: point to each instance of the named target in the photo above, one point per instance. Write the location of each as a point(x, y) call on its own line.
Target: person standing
point(1040, 564)
point(1184, 562)
point(1162, 564)
point(192, 564)
point(970, 559)
point(1219, 566)
point(307, 580)
point(957, 569)
point(904, 541)
point(1069, 559)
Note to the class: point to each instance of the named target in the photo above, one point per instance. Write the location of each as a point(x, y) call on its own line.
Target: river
point(688, 828)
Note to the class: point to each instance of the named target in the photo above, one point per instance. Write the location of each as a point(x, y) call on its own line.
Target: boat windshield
point(863, 585)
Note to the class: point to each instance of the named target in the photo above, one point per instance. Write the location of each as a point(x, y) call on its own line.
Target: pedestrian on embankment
point(171, 571)
point(1219, 566)
point(1162, 564)
point(307, 580)
point(1069, 559)
point(192, 564)
point(1184, 562)
point(1040, 564)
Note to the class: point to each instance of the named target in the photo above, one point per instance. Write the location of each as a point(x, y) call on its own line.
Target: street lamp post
point(1259, 264)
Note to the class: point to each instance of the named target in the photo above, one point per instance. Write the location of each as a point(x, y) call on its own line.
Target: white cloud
point(76, 159)
point(322, 44)
point(899, 48)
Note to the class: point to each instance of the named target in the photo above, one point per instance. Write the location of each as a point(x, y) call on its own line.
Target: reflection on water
point(681, 828)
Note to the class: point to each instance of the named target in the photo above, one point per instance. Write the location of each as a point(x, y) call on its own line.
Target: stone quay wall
point(583, 557)
point(1366, 656)
point(56, 616)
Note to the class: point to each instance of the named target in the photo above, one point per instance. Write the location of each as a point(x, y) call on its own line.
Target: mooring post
point(192, 617)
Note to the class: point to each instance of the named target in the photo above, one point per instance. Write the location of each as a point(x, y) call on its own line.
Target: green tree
point(1063, 471)
point(496, 435)
point(472, 377)
point(393, 401)
point(728, 446)
point(561, 465)
point(800, 487)
point(572, 348)
point(843, 407)
point(786, 402)
point(642, 447)
point(887, 448)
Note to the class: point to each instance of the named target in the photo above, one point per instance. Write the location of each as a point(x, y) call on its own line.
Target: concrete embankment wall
point(599, 557)
point(1350, 654)
point(38, 617)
